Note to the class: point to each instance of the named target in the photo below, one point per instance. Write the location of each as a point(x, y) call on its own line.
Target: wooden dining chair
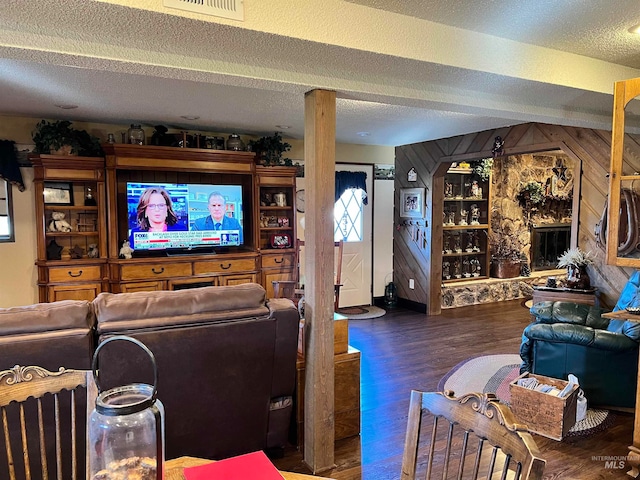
point(474, 435)
point(294, 289)
point(40, 413)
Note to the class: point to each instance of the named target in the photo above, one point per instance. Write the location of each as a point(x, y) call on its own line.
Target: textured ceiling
point(404, 71)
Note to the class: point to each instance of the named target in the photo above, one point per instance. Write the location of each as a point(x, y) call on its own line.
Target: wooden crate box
point(544, 414)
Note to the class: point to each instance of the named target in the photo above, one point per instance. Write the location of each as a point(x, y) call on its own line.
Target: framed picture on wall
point(412, 202)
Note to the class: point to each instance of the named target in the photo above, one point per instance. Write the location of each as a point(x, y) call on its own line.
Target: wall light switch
point(411, 285)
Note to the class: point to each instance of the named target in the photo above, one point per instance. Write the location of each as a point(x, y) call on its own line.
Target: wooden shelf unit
point(465, 252)
point(277, 264)
point(69, 278)
point(106, 223)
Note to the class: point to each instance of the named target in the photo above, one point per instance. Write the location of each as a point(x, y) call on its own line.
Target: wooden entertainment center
point(100, 223)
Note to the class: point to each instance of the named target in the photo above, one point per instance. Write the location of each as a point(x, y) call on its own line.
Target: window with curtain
point(9, 175)
point(6, 212)
point(351, 195)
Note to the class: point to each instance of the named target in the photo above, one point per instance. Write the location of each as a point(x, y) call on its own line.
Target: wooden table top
point(622, 315)
point(175, 467)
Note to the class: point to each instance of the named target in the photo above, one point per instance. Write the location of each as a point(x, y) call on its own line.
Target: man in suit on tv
point(217, 220)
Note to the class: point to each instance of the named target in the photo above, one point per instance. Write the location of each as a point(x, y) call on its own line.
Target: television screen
point(183, 216)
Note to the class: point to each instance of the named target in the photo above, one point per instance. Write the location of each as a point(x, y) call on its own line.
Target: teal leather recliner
point(567, 337)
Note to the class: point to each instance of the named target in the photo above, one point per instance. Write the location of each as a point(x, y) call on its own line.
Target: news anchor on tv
point(155, 212)
point(217, 220)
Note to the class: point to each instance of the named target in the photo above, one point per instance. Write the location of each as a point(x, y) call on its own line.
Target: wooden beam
point(319, 159)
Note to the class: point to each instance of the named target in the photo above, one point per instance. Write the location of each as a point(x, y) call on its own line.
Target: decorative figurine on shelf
point(446, 243)
point(451, 217)
point(463, 217)
point(475, 267)
point(475, 191)
point(475, 214)
point(469, 247)
point(76, 252)
point(457, 243)
point(448, 189)
point(466, 268)
point(265, 199)
point(476, 242)
point(446, 270)
point(93, 251)
point(89, 200)
point(457, 273)
point(58, 223)
point(54, 251)
point(126, 251)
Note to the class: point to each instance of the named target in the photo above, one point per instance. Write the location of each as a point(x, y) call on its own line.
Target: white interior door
point(356, 259)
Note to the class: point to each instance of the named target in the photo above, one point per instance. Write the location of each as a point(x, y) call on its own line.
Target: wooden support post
point(319, 159)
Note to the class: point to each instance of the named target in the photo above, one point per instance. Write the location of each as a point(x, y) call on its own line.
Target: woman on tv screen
point(155, 211)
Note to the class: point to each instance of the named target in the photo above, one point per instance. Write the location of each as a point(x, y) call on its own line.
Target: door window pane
point(347, 214)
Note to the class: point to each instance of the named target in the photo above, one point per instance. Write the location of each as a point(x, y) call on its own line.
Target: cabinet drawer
point(225, 266)
point(285, 260)
point(81, 273)
point(152, 271)
point(141, 287)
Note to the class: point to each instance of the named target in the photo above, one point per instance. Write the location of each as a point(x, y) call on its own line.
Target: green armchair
point(567, 337)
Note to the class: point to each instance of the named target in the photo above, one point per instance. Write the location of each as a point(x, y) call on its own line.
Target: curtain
point(9, 169)
point(347, 180)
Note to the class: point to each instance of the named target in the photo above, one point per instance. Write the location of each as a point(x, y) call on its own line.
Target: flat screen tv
point(179, 218)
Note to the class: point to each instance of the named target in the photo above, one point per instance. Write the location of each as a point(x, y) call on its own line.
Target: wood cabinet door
point(78, 291)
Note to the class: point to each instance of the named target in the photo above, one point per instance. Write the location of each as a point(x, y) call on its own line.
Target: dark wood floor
point(405, 350)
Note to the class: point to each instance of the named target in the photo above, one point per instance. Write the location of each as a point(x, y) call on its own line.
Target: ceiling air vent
point(233, 9)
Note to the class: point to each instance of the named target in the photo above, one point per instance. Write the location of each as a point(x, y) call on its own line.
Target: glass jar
point(126, 428)
point(135, 134)
point(235, 143)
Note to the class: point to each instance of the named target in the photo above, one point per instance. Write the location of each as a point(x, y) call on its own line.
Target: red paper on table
point(251, 466)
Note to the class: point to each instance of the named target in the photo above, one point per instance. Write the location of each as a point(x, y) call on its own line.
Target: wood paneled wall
point(591, 147)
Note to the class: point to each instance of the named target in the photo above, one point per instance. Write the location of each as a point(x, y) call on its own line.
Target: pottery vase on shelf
point(235, 143)
point(578, 277)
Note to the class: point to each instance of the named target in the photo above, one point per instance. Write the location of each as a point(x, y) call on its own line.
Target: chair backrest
point(474, 434)
point(33, 399)
point(337, 260)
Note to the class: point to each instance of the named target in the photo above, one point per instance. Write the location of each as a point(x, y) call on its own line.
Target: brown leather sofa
point(226, 358)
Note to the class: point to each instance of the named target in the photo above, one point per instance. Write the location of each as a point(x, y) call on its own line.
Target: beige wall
point(18, 275)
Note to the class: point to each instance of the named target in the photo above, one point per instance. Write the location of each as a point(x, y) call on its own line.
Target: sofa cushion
point(569, 312)
point(46, 317)
point(543, 311)
point(560, 333)
point(118, 311)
